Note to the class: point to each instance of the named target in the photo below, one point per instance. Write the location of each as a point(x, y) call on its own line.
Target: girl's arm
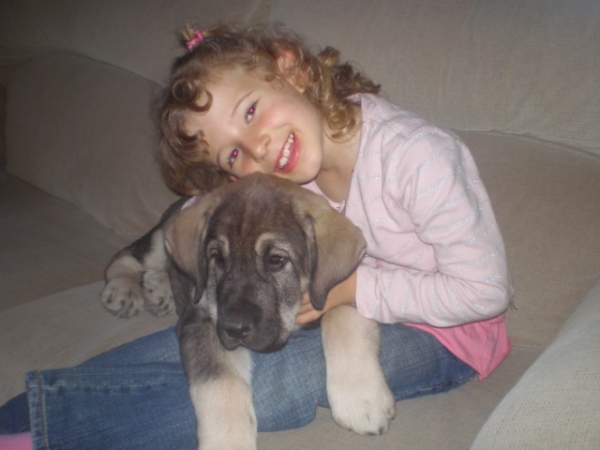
point(342, 293)
point(447, 265)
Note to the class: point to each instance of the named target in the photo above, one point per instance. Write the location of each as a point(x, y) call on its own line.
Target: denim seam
point(42, 400)
point(37, 410)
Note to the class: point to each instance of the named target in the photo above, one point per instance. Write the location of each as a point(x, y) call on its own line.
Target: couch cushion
point(47, 245)
point(556, 403)
point(83, 131)
point(520, 67)
point(547, 202)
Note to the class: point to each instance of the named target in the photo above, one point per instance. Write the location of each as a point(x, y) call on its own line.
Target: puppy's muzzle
point(238, 327)
point(245, 319)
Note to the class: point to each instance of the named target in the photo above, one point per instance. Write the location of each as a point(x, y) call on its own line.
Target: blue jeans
point(135, 396)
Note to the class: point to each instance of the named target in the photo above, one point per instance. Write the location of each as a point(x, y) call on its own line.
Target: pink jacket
point(435, 257)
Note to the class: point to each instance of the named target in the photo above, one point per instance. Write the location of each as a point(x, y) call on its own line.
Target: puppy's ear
point(184, 238)
point(336, 245)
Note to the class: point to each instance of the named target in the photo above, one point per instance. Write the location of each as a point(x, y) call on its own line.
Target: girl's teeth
point(283, 161)
point(286, 151)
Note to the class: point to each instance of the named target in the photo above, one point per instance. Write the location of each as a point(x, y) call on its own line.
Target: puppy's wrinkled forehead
point(251, 217)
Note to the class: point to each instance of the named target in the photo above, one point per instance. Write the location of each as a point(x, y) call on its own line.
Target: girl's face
point(258, 126)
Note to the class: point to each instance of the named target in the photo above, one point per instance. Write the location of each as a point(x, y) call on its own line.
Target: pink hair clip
point(193, 42)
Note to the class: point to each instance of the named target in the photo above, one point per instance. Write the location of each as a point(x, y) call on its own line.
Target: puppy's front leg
point(137, 278)
point(358, 394)
point(219, 384)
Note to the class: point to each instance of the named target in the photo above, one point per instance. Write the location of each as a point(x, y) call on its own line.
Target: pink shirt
point(435, 257)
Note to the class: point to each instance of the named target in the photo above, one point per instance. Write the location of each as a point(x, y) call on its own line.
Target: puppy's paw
point(363, 406)
point(158, 296)
point(122, 296)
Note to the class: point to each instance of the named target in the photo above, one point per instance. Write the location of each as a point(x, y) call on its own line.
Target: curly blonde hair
point(328, 83)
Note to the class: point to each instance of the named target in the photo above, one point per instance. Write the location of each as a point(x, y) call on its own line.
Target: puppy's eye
point(216, 257)
point(276, 262)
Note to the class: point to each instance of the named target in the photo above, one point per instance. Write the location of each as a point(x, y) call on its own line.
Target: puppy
point(234, 264)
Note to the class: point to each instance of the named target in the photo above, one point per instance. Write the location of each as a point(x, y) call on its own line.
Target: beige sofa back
point(140, 36)
point(519, 67)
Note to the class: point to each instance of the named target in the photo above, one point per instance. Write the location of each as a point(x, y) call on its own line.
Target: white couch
point(519, 81)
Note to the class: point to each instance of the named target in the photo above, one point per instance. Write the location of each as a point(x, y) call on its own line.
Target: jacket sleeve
point(452, 270)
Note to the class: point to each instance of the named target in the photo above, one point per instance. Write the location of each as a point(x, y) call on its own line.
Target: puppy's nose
point(236, 326)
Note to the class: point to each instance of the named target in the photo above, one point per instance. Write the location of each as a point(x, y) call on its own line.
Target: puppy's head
point(253, 248)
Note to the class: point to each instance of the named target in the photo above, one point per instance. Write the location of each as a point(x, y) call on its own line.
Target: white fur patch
point(359, 396)
point(225, 414)
point(190, 202)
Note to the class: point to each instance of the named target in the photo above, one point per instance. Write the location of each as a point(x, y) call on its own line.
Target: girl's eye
point(233, 156)
point(250, 112)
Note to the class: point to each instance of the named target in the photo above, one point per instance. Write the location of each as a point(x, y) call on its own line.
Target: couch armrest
point(555, 403)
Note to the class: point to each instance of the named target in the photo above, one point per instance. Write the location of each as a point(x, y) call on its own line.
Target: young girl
point(435, 274)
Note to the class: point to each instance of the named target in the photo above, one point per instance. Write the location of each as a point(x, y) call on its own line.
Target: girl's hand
point(341, 294)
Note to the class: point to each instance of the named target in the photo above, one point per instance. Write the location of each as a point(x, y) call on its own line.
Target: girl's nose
point(258, 147)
